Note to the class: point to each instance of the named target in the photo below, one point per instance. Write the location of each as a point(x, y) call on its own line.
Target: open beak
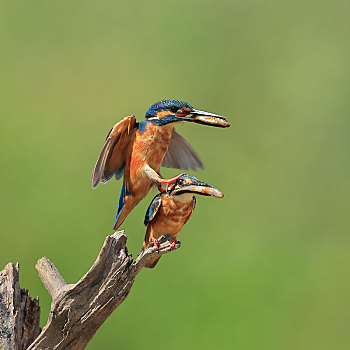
point(201, 188)
point(201, 117)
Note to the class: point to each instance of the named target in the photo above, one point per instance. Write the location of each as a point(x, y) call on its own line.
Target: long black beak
point(206, 118)
point(199, 187)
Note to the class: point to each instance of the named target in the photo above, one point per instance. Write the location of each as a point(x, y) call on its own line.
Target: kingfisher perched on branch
point(138, 149)
point(171, 209)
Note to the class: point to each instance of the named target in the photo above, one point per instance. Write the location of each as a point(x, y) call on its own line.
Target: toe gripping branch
point(156, 244)
point(165, 244)
point(173, 243)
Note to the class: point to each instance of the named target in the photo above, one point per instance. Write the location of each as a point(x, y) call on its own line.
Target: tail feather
point(121, 217)
point(120, 207)
point(124, 207)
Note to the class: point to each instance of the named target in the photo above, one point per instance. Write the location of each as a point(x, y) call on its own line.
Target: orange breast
point(149, 147)
point(153, 143)
point(171, 217)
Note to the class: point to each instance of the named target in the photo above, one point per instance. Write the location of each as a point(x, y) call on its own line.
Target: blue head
point(174, 111)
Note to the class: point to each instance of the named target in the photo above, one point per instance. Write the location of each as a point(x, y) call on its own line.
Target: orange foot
point(169, 181)
point(173, 242)
point(155, 242)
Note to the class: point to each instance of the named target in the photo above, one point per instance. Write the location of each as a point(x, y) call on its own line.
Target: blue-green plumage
point(165, 105)
point(121, 202)
point(153, 208)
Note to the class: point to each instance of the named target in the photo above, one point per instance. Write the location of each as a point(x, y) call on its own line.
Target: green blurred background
point(267, 267)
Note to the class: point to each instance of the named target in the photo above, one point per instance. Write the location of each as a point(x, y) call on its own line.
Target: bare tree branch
point(19, 315)
point(50, 277)
point(78, 310)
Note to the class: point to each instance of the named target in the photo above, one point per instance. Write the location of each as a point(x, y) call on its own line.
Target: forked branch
point(78, 310)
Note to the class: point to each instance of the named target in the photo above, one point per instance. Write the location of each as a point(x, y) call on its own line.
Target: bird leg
point(152, 174)
point(159, 185)
point(155, 242)
point(170, 181)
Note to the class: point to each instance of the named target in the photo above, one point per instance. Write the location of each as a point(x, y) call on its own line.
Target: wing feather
point(114, 152)
point(153, 208)
point(180, 154)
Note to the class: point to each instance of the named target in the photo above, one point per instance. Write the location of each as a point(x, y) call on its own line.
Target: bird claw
point(173, 243)
point(155, 242)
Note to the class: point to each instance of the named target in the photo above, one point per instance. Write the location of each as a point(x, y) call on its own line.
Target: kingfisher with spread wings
point(138, 149)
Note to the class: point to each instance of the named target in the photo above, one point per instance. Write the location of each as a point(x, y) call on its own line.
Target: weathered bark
point(19, 315)
point(78, 310)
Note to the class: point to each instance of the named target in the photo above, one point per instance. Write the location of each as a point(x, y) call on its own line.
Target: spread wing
point(114, 152)
point(180, 154)
point(153, 208)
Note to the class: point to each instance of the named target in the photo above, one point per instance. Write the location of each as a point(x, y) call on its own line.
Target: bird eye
point(174, 109)
point(180, 182)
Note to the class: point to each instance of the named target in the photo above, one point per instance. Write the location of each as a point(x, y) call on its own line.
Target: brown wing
point(180, 154)
point(114, 152)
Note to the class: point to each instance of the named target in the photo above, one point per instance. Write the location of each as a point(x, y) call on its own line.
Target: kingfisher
point(171, 209)
point(136, 150)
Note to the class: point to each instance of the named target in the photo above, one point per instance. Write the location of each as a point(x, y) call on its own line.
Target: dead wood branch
point(19, 315)
point(78, 310)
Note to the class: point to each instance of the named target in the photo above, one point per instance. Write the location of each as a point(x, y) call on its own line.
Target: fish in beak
point(206, 118)
point(190, 184)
